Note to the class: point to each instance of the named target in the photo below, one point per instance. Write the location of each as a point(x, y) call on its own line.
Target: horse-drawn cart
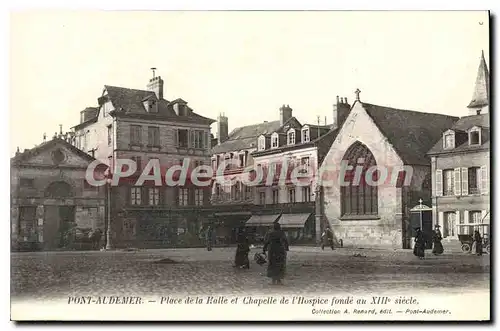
point(467, 240)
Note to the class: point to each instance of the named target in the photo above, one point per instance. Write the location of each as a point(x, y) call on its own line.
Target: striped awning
point(262, 220)
point(293, 220)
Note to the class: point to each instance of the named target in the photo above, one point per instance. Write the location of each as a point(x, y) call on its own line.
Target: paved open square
point(58, 275)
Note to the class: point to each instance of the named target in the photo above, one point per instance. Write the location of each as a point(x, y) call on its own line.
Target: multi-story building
point(49, 195)
point(461, 165)
point(268, 145)
point(141, 125)
point(291, 193)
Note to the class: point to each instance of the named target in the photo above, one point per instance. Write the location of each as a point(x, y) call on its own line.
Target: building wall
point(89, 204)
point(387, 228)
point(293, 156)
point(460, 204)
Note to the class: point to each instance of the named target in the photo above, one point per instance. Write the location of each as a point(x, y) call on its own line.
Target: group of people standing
point(437, 246)
point(276, 248)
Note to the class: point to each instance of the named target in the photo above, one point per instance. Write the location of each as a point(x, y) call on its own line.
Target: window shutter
point(465, 181)
point(439, 182)
point(457, 187)
point(483, 215)
point(484, 180)
point(441, 222)
point(464, 229)
point(176, 137)
point(457, 221)
point(192, 138)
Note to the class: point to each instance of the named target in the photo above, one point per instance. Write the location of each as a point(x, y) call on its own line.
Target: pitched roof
point(245, 137)
point(411, 133)
point(127, 101)
point(20, 157)
point(464, 124)
point(480, 97)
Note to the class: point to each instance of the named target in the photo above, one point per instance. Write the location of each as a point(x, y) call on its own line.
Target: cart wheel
point(466, 248)
point(488, 249)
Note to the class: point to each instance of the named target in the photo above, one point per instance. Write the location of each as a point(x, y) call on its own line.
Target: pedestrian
point(209, 237)
point(478, 241)
point(437, 248)
point(327, 238)
point(277, 245)
point(419, 248)
point(243, 249)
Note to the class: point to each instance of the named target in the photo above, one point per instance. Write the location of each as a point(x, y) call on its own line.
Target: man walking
point(327, 238)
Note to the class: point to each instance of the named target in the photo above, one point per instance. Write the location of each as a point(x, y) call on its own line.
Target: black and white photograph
point(250, 165)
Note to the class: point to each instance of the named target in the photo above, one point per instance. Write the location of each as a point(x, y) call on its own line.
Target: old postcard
point(250, 165)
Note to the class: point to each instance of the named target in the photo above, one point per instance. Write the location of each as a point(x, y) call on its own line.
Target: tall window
point(135, 196)
point(110, 134)
point(291, 195)
point(198, 197)
point(474, 217)
point(261, 143)
point(197, 139)
point(154, 136)
point(449, 229)
point(448, 182)
point(274, 141)
point(475, 137)
point(137, 160)
point(449, 140)
point(242, 160)
point(304, 162)
point(262, 198)
point(275, 196)
point(135, 135)
point(306, 193)
point(473, 180)
point(182, 137)
point(305, 135)
point(359, 198)
point(248, 192)
point(154, 196)
point(183, 196)
point(291, 137)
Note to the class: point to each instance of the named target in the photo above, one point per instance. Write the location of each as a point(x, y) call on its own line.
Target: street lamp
point(420, 209)
point(109, 245)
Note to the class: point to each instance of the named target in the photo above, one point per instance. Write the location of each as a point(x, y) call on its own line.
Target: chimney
point(222, 128)
point(285, 114)
point(340, 112)
point(156, 85)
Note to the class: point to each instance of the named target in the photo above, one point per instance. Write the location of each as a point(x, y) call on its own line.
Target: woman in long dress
point(437, 248)
point(478, 241)
point(241, 259)
point(419, 248)
point(277, 245)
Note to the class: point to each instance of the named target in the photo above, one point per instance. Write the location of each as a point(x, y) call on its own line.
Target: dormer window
point(305, 135)
point(150, 105)
point(261, 143)
point(449, 139)
point(275, 140)
point(291, 137)
point(475, 136)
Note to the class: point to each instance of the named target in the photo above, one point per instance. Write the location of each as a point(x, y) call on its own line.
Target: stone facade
point(47, 189)
point(407, 177)
point(141, 125)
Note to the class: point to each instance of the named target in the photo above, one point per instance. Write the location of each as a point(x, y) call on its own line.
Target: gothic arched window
point(359, 198)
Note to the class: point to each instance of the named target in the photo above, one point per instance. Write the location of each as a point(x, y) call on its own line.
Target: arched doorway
point(358, 198)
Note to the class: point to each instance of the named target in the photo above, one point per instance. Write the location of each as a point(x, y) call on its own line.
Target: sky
point(243, 64)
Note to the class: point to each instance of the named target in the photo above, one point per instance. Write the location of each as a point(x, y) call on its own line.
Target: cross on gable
point(357, 92)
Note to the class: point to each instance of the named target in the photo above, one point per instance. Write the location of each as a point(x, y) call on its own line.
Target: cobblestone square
point(310, 271)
